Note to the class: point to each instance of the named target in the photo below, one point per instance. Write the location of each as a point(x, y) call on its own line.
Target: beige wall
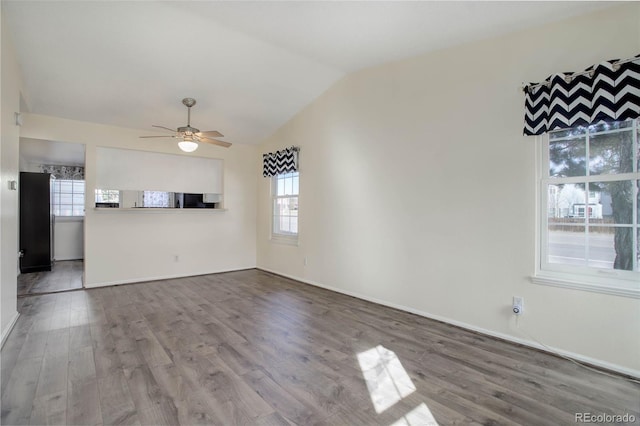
point(11, 84)
point(141, 245)
point(418, 189)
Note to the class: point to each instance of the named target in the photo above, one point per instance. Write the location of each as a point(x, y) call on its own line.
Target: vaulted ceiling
point(250, 65)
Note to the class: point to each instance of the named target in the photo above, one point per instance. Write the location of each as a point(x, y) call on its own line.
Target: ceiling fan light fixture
point(187, 146)
point(188, 137)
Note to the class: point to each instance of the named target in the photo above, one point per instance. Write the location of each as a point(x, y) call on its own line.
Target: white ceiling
point(250, 65)
point(38, 151)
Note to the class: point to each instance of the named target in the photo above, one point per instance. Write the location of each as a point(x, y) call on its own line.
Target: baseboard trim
point(7, 330)
point(513, 339)
point(163, 277)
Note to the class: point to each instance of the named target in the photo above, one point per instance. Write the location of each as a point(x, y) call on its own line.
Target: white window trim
point(612, 282)
point(276, 237)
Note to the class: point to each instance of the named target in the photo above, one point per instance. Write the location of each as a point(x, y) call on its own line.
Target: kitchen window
point(67, 197)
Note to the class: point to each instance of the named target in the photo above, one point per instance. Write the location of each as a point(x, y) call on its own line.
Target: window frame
point(608, 281)
point(282, 237)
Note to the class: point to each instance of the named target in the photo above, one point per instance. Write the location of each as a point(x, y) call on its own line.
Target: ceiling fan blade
point(162, 127)
point(215, 141)
point(157, 136)
point(214, 133)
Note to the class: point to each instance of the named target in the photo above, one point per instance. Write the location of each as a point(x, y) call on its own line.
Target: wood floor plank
point(249, 347)
point(116, 404)
point(82, 365)
point(50, 409)
point(83, 402)
point(53, 375)
point(144, 389)
point(20, 391)
point(106, 358)
point(285, 403)
point(79, 337)
point(9, 357)
point(162, 413)
point(222, 385)
point(34, 345)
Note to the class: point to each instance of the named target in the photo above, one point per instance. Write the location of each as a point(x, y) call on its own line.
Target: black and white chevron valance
point(609, 91)
point(63, 172)
point(279, 162)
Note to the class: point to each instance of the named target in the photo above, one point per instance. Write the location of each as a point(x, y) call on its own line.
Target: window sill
point(614, 289)
point(61, 219)
point(283, 239)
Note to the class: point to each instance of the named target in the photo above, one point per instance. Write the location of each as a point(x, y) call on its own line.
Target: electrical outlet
point(518, 305)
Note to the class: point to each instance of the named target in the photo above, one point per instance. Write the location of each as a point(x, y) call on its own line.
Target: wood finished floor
point(249, 347)
point(64, 275)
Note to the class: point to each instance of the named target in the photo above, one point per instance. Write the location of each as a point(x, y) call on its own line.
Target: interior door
point(35, 222)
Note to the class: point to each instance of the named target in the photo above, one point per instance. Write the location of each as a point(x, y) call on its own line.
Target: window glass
point(567, 158)
point(285, 205)
point(67, 197)
point(591, 202)
point(611, 153)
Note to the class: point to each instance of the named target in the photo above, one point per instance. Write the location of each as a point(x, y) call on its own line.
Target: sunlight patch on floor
point(386, 379)
point(421, 415)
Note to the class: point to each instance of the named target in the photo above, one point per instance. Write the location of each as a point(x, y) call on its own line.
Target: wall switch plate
point(13, 185)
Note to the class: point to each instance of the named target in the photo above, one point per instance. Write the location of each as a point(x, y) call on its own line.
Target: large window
point(67, 197)
point(284, 192)
point(590, 233)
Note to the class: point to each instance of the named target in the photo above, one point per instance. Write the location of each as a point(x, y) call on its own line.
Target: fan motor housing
point(188, 129)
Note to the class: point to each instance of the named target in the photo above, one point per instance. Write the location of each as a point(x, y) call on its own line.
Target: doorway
point(59, 169)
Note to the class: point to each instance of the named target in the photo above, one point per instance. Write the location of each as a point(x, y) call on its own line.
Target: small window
point(285, 189)
point(590, 231)
point(67, 197)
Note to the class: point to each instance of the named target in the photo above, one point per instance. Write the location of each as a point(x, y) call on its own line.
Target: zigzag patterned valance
point(280, 162)
point(609, 91)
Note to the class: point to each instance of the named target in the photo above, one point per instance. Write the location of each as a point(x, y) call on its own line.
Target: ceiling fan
point(188, 137)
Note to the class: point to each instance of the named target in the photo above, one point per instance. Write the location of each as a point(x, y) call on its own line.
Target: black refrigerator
point(35, 222)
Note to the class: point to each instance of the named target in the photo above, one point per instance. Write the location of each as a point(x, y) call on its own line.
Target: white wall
point(129, 246)
point(418, 189)
point(10, 94)
point(68, 238)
